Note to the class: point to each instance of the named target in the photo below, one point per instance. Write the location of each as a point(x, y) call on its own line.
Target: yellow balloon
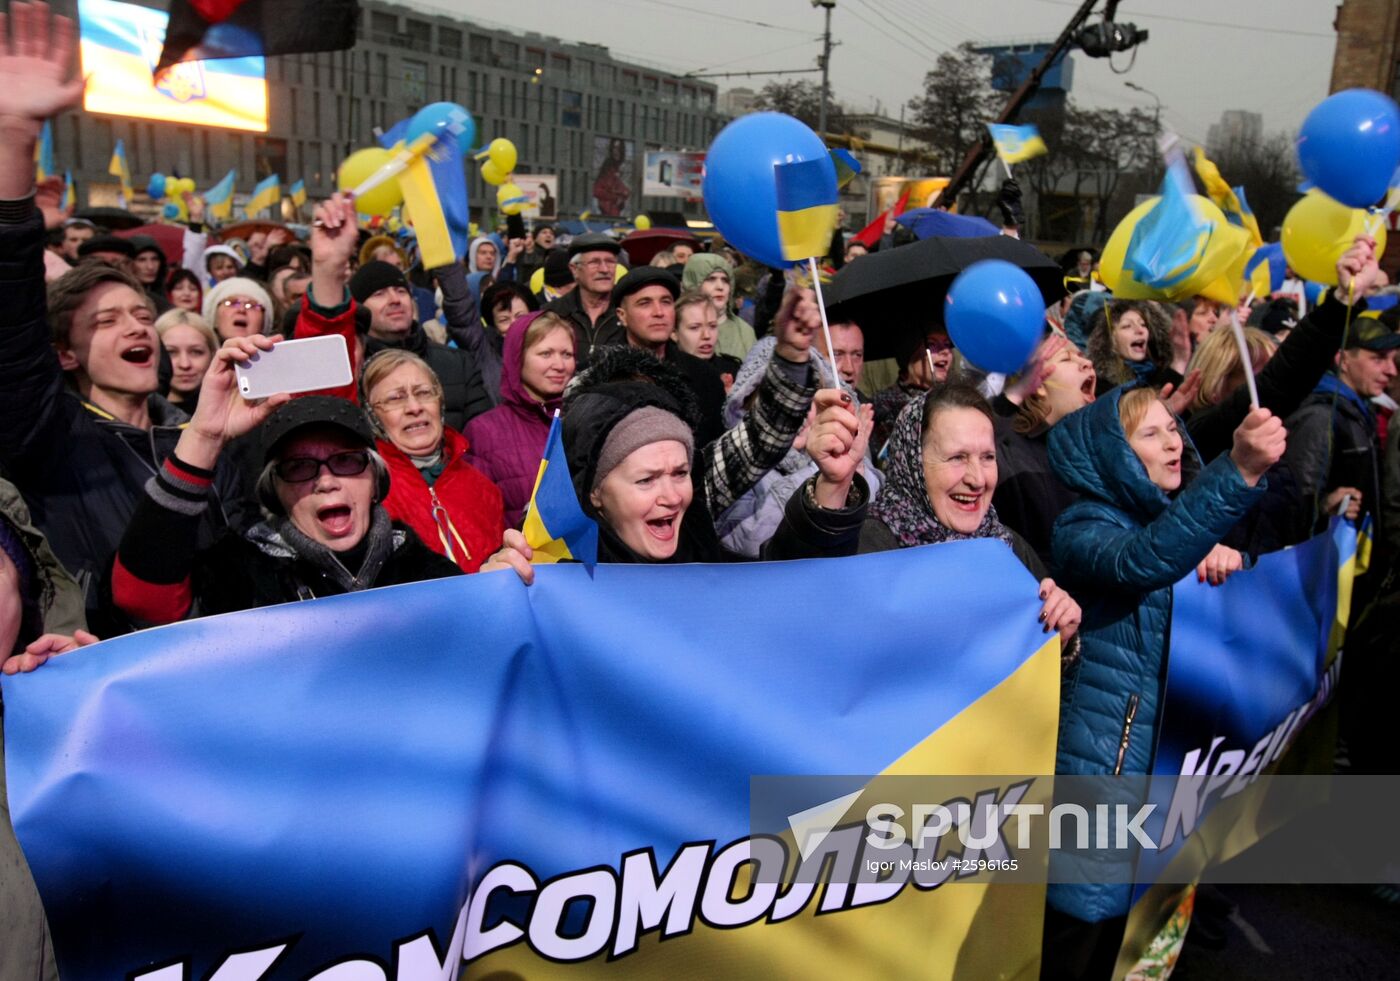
point(360, 165)
point(492, 174)
point(511, 199)
point(503, 155)
point(537, 280)
point(642, 223)
point(1318, 230)
point(1221, 255)
point(621, 271)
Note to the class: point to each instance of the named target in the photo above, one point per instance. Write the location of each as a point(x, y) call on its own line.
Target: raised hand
point(1259, 443)
point(831, 443)
point(1351, 496)
point(1358, 271)
point(1180, 399)
point(335, 235)
point(1037, 369)
point(36, 62)
point(797, 322)
point(223, 414)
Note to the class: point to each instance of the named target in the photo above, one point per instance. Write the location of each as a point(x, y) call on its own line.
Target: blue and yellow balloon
point(995, 315)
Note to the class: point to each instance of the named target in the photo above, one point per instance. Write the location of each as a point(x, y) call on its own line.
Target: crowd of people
point(704, 420)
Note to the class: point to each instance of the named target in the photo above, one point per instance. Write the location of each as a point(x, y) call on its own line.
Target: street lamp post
point(826, 6)
point(1156, 116)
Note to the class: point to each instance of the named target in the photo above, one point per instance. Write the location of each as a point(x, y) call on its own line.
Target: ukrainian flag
point(119, 168)
point(218, 200)
point(43, 153)
point(70, 191)
point(1017, 143)
point(1170, 242)
point(435, 191)
point(265, 195)
point(847, 167)
point(555, 525)
point(297, 192)
point(807, 207)
point(1230, 200)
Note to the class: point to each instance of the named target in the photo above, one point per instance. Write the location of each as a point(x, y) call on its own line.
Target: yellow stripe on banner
point(963, 930)
point(1033, 147)
point(807, 233)
point(429, 223)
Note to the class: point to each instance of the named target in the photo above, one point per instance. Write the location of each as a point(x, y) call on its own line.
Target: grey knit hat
point(641, 427)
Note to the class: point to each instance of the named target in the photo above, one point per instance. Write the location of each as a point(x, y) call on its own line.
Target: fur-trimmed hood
point(1111, 368)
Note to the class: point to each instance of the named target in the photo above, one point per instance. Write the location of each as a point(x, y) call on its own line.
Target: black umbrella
point(113, 218)
point(896, 295)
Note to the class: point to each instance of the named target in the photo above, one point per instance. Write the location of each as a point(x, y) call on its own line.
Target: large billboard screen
point(121, 45)
point(670, 174)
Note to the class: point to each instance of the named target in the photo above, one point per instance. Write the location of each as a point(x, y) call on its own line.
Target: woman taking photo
point(452, 507)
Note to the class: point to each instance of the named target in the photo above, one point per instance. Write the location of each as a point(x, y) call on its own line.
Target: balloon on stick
point(1349, 146)
point(437, 118)
point(493, 175)
point(358, 168)
point(1317, 231)
point(995, 315)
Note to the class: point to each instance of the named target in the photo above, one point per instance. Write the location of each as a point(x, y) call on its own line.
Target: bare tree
point(1268, 172)
point(802, 100)
point(957, 103)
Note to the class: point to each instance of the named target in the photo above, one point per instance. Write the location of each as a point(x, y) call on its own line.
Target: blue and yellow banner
point(120, 168)
point(297, 192)
point(1016, 144)
point(525, 777)
point(70, 191)
point(121, 45)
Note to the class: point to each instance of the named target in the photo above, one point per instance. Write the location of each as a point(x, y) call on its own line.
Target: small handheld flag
point(43, 154)
point(1230, 200)
point(807, 207)
point(1170, 241)
point(847, 167)
point(218, 200)
point(119, 168)
point(1016, 144)
point(70, 192)
point(267, 193)
point(555, 525)
point(297, 192)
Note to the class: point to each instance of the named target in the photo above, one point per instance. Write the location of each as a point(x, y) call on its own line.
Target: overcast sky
point(1204, 56)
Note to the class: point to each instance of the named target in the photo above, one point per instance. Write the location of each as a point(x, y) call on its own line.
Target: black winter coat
point(81, 472)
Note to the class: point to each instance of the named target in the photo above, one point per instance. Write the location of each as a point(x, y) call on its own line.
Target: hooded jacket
point(81, 471)
point(1119, 550)
point(506, 444)
point(735, 336)
point(156, 290)
point(460, 512)
point(1338, 447)
point(213, 250)
point(1112, 368)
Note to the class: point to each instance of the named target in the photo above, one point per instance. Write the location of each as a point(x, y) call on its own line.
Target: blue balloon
point(171, 211)
point(156, 188)
point(741, 194)
point(437, 117)
point(995, 315)
point(1349, 146)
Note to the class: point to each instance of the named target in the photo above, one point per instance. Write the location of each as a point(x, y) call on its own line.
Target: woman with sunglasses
point(455, 509)
point(324, 532)
point(237, 307)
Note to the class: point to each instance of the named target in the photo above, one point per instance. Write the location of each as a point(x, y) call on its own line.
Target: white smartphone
point(305, 365)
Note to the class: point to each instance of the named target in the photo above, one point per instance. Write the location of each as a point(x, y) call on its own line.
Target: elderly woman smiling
point(452, 506)
point(939, 485)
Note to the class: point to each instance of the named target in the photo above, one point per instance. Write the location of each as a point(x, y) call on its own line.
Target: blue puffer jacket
point(1119, 550)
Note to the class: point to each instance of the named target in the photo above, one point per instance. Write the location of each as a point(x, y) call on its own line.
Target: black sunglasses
point(300, 469)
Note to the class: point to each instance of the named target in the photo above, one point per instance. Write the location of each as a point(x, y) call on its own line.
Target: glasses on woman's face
point(300, 469)
point(398, 401)
point(248, 306)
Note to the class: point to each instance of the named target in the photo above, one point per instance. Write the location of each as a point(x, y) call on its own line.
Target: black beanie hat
point(556, 269)
point(374, 276)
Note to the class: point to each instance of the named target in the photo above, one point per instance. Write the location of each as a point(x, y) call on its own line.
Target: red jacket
point(470, 520)
point(314, 322)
